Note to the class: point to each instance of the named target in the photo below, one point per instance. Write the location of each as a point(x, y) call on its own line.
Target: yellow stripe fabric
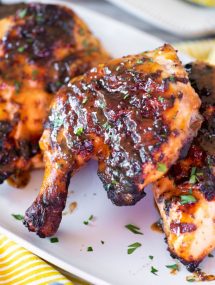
point(20, 267)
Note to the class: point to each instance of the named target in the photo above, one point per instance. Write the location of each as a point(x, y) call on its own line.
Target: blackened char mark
point(37, 35)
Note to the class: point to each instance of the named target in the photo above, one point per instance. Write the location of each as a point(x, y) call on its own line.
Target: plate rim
point(173, 29)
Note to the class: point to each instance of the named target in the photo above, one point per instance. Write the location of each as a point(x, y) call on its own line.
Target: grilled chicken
point(186, 196)
point(132, 114)
point(41, 48)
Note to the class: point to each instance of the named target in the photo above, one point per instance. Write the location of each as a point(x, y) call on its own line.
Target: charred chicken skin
point(132, 114)
point(41, 48)
point(186, 196)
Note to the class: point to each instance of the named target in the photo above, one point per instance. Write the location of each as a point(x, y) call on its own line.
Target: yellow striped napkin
point(20, 267)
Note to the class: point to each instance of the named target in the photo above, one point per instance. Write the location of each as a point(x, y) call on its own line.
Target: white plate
point(108, 263)
point(175, 16)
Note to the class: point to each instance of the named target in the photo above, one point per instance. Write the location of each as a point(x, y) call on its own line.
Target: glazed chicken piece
point(186, 196)
point(41, 48)
point(132, 114)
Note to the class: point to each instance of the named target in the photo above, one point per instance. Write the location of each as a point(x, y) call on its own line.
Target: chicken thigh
point(186, 196)
point(41, 48)
point(132, 114)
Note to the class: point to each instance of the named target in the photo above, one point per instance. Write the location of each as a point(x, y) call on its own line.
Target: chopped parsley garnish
point(172, 78)
point(85, 43)
point(190, 279)
point(54, 240)
point(88, 220)
point(34, 74)
point(89, 248)
point(210, 255)
point(22, 13)
point(17, 86)
point(134, 229)
point(21, 49)
point(187, 199)
point(160, 99)
point(79, 131)
point(85, 100)
point(173, 267)
point(58, 83)
point(193, 175)
point(148, 90)
point(18, 217)
point(106, 126)
point(102, 242)
point(162, 167)
point(154, 270)
point(139, 61)
point(151, 257)
point(81, 31)
point(132, 247)
point(113, 182)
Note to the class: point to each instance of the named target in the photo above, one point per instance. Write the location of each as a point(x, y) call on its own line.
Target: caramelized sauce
point(157, 226)
point(19, 180)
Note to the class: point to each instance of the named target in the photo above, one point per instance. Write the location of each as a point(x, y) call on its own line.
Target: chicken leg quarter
point(132, 114)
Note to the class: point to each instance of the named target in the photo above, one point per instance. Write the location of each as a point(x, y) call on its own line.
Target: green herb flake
point(88, 220)
point(58, 84)
point(154, 270)
point(160, 99)
point(54, 240)
point(192, 179)
point(81, 31)
point(172, 78)
point(161, 167)
point(134, 229)
point(35, 73)
point(106, 126)
point(22, 13)
point(187, 199)
point(190, 279)
point(113, 182)
point(17, 86)
point(148, 90)
point(132, 247)
point(210, 255)
point(139, 61)
point(173, 267)
point(89, 248)
point(79, 131)
point(21, 49)
point(18, 217)
point(91, 217)
point(85, 43)
point(151, 257)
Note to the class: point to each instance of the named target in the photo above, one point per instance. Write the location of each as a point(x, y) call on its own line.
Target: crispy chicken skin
point(132, 114)
point(41, 48)
point(186, 196)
